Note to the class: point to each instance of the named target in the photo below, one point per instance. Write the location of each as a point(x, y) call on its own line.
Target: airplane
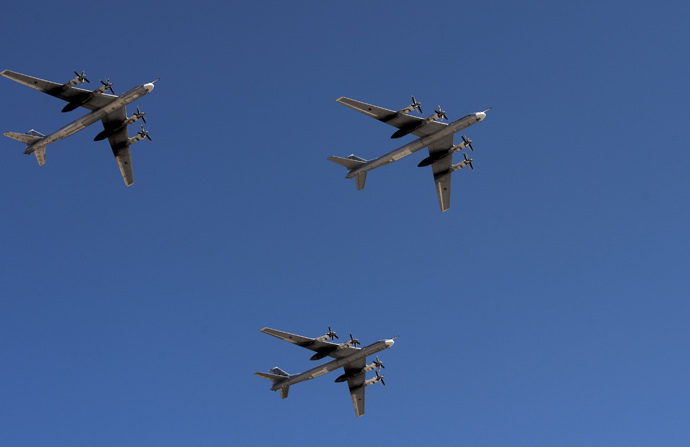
point(346, 355)
point(109, 108)
point(432, 132)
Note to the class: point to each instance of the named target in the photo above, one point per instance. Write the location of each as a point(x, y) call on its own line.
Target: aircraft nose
point(481, 116)
point(149, 87)
point(389, 342)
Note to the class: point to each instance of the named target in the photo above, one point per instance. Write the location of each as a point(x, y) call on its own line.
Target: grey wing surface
point(389, 117)
point(118, 143)
point(356, 384)
point(69, 94)
point(440, 168)
point(331, 349)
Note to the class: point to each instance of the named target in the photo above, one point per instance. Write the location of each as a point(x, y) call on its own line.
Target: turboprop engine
point(378, 378)
point(80, 79)
point(139, 136)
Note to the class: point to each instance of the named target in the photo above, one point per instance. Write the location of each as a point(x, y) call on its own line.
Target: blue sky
point(548, 306)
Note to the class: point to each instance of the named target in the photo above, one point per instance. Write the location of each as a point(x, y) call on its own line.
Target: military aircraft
point(109, 108)
point(432, 132)
point(346, 355)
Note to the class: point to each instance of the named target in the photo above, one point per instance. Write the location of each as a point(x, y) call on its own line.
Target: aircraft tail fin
point(29, 138)
point(352, 162)
point(276, 375)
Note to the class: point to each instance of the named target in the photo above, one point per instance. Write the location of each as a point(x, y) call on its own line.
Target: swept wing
point(389, 117)
point(322, 347)
point(69, 94)
point(438, 168)
point(118, 143)
point(356, 384)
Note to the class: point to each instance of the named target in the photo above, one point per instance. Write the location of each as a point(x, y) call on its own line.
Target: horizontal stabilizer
point(271, 377)
point(27, 138)
point(276, 376)
point(350, 162)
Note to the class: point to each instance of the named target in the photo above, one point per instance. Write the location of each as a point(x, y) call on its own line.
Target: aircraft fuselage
point(335, 364)
point(420, 143)
point(91, 117)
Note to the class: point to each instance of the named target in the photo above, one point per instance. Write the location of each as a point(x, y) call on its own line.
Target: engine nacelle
point(373, 380)
point(135, 139)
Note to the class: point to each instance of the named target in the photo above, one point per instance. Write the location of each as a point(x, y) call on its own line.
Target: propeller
point(378, 363)
point(468, 142)
point(416, 105)
point(380, 377)
point(441, 114)
point(81, 78)
point(108, 85)
point(331, 334)
point(468, 160)
point(140, 115)
point(144, 133)
point(353, 341)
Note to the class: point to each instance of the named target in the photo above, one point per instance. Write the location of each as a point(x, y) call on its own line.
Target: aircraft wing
point(438, 167)
point(331, 349)
point(118, 143)
point(69, 94)
point(356, 384)
point(388, 116)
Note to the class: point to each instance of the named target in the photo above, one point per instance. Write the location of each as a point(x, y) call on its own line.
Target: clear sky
point(549, 306)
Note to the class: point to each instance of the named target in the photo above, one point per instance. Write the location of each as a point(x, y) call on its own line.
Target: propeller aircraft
point(109, 108)
point(432, 132)
point(346, 355)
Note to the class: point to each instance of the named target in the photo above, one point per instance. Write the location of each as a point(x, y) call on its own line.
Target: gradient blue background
point(549, 306)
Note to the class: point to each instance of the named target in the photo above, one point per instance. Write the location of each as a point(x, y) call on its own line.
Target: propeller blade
point(469, 161)
point(378, 363)
point(141, 114)
point(81, 77)
point(417, 105)
point(331, 334)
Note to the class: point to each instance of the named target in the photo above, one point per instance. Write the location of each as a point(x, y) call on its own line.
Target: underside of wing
point(390, 117)
point(356, 385)
point(118, 143)
point(62, 91)
point(325, 348)
point(440, 170)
